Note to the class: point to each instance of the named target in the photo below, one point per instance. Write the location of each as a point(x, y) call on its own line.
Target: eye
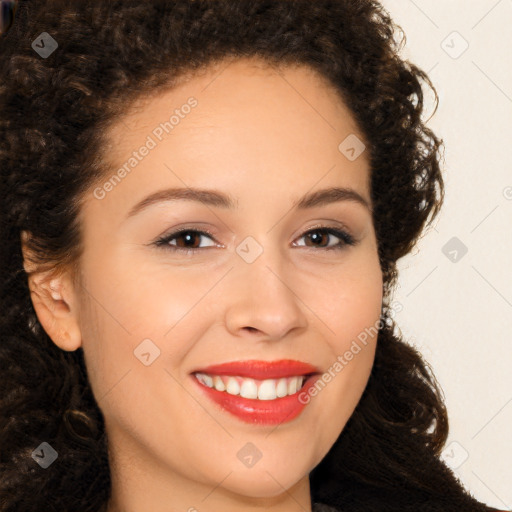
point(321, 233)
point(190, 237)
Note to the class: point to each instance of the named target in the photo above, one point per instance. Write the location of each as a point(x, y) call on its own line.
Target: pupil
point(316, 237)
point(188, 236)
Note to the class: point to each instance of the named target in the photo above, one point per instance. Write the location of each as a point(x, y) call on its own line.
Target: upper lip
point(261, 370)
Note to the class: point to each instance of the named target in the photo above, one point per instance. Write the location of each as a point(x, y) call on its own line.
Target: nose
point(261, 300)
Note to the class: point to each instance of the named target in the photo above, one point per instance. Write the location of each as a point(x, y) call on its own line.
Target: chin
point(260, 483)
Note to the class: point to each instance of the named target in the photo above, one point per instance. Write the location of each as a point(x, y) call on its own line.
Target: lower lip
point(261, 412)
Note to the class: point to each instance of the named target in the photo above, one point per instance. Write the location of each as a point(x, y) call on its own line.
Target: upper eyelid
point(340, 226)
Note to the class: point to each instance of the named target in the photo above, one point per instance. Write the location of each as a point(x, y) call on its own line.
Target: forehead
point(239, 126)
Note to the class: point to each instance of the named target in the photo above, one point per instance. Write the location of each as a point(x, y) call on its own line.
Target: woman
point(261, 371)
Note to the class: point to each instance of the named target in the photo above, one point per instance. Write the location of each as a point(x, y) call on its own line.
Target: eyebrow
point(220, 200)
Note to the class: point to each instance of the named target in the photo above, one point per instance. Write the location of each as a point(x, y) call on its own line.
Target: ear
point(54, 300)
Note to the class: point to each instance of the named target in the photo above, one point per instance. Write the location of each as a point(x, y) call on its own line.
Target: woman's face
point(258, 287)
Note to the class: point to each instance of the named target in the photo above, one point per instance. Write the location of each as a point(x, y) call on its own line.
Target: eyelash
point(347, 239)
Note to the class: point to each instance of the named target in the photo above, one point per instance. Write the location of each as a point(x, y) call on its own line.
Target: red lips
point(261, 370)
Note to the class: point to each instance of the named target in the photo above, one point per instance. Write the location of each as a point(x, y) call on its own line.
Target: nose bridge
point(262, 285)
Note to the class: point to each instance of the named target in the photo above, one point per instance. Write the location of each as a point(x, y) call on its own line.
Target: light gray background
point(459, 313)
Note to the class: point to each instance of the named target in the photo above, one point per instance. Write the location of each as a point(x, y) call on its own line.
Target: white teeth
point(268, 389)
point(282, 388)
point(205, 379)
point(218, 384)
point(249, 389)
point(233, 387)
point(292, 386)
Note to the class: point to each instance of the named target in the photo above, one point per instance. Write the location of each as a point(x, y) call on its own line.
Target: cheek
point(358, 312)
point(131, 309)
point(350, 309)
point(354, 326)
point(349, 301)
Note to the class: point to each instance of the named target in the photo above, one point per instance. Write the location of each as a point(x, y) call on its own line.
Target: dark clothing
point(320, 507)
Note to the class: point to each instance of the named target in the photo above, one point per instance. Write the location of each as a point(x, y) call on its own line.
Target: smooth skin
point(265, 137)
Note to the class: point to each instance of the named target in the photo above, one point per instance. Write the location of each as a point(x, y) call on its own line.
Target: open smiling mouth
point(258, 392)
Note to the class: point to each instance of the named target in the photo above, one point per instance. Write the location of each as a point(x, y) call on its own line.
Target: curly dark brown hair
point(55, 111)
